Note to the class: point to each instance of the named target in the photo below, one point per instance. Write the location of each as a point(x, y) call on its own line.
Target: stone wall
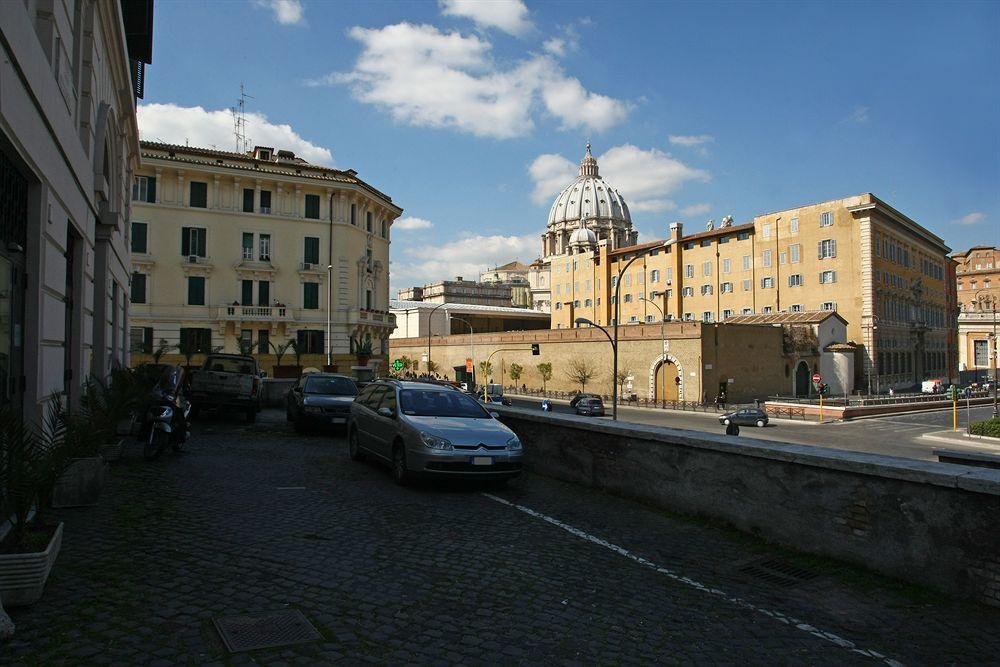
point(924, 522)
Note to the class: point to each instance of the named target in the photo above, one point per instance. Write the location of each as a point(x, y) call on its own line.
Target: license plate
point(338, 420)
point(482, 460)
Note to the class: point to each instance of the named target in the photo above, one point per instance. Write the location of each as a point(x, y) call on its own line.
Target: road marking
point(290, 488)
point(691, 583)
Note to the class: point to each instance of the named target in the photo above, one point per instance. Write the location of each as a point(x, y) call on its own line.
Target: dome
point(583, 236)
point(589, 197)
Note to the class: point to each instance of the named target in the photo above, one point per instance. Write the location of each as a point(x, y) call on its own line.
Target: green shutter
point(247, 293)
point(310, 299)
point(311, 251)
point(196, 291)
point(139, 237)
point(151, 189)
point(185, 241)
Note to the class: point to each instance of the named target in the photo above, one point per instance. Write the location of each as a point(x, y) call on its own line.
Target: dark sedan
point(579, 397)
point(320, 399)
point(590, 406)
point(744, 417)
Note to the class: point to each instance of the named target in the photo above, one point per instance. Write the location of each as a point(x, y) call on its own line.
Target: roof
point(511, 266)
point(805, 317)
point(397, 305)
point(963, 253)
point(721, 231)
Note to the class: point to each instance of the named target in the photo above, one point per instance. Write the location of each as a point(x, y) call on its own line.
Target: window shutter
point(151, 189)
point(833, 247)
point(819, 250)
point(185, 241)
point(147, 340)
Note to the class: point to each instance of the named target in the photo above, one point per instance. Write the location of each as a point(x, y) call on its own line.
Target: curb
point(961, 440)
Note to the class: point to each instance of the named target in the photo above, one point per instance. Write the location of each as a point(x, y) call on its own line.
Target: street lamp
point(995, 348)
point(429, 335)
point(873, 353)
point(472, 350)
point(614, 347)
point(618, 287)
point(663, 346)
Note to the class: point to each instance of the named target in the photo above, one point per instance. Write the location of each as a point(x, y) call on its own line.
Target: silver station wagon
point(419, 428)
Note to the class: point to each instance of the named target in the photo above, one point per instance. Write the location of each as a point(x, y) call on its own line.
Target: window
point(765, 230)
point(246, 292)
point(706, 268)
point(727, 313)
point(139, 237)
point(981, 352)
point(670, 273)
point(727, 288)
point(826, 219)
point(687, 291)
point(264, 155)
point(196, 291)
point(248, 200)
point(614, 281)
point(247, 246)
point(795, 280)
point(588, 303)
point(826, 277)
point(141, 339)
point(747, 285)
point(793, 226)
point(354, 214)
point(795, 308)
point(633, 319)
point(312, 206)
point(310, 296)
point(827, 248)
point(628, 281)
point(574, 265)
point(766, 258)
point(265, 201)
point(310, 250)
point(705, 243)
point(707, 316)
point(138, 288)
point(767, 283)
point(689, 245)
point(766, 310)
point(828, 305)
point(706, 289)
point(746, 262)
point(650, 319)
point(368, 221)
point(198, 340)
point(628, 298)
point(310, 341)
point(689, 270)
point(747, 311)
point(263, 293)
point(795, 250)
point(559, 304)
point(742, 236)
point(193, 241)
point(385, 229)
point(558, 289)
point(144, 189)
point(198, 194)
point(727, 265)
point(688, 317)
point(369, 300)
point(723, 239)
point(263, 341)
point(586, 285)
point(265, 248)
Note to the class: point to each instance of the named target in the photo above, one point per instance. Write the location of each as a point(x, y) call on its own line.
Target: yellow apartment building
point(235, 251)
point(977, 275)
point(883, 273)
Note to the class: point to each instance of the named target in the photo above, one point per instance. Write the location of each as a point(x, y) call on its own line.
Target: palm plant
point(281, 349)
point(161, 349)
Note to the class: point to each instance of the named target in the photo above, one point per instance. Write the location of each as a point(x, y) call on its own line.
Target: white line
point(739, 602)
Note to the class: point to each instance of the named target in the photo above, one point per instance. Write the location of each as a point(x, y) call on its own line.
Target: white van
point(932, 386)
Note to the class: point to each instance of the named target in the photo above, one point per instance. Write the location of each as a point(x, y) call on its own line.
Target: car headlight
point(434, 442)
point(514, 443)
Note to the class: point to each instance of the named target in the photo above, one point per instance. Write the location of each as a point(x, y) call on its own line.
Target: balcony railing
point(259, 313)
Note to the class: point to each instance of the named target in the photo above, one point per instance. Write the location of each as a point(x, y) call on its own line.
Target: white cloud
point(643, 177)
point(196, 126)
point(858, 116)
point(696, 209)
point(428, 78)
point(286, 12)
point(688, 140)
point(508, 15)
point(410, 222)
point(567, 41)
point(970, 219)
point(557, 46)
point(464, 257)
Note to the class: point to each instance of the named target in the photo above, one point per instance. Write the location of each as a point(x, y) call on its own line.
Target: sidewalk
point(962, 439)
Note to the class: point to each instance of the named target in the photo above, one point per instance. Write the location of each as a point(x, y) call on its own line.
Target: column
point(278, 203)
point(297, 204)
point(181, 199)
point(256, 196)
point(237, 195)
point(159, 180)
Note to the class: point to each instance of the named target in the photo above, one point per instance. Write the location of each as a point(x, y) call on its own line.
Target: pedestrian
point(722, 400)
point(732, 428)
point(546, 407)
point(891, 392)
point(718, 399)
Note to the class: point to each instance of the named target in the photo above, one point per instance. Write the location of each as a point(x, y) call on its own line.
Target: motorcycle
point(166, 419)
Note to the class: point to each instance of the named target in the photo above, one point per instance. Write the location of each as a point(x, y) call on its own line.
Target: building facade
point(69, 76)
point(460, 290)
point(417, 318)
point(514, 275)
point(245, 252)
point(977, 281)
point(889, 278)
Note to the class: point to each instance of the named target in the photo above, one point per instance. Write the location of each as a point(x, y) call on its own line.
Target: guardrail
point(787, 412)
point(632, 401)
point(862, 401)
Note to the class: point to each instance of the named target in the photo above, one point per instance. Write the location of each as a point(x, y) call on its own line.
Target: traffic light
point(534, 349)
point(823, 389)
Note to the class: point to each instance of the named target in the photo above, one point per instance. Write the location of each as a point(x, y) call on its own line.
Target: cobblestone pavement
point(257, 518)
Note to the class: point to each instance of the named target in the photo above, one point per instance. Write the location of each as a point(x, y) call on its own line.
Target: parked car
point(593, 406)
point(745, 417)
point(579, 397)
point(424, 429)
point(320, 399)
point(493, 399)
point(227, 382)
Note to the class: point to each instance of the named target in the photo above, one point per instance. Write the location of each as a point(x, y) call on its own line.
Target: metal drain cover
point(779, 572)
point(248, 632)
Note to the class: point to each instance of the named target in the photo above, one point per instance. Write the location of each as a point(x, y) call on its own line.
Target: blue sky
point(473, 115)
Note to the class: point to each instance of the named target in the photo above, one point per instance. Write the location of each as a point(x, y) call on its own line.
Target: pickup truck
point(227, 381)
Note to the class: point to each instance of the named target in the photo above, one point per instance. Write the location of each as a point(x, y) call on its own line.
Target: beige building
point(885, 275)
point(416, 318)
point(514, 275)
point(459, 290)
point(977, 275)
point(69, 76)
point(239, 251)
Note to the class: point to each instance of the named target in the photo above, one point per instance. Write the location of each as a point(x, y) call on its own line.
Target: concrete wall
point(924, 522)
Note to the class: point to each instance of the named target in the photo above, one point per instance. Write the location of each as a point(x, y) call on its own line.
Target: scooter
point(166, 419)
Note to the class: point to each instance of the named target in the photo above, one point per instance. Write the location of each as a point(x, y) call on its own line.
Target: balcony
point(256, 313)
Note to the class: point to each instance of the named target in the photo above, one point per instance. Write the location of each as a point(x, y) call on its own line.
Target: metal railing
point(630, 401)
point(862, 401)
point(254, 312)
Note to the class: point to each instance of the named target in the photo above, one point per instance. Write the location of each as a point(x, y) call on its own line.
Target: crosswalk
point(888, 426)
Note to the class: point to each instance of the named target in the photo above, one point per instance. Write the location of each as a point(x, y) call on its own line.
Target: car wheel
point(354, 446)
point(400, 474)
point(725, 422)
point(760, 423)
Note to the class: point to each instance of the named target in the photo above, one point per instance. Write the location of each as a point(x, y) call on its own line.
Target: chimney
point(458, 278)
point(676, 231)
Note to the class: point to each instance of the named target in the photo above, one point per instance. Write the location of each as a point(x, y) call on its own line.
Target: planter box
point(81, 484)
point(287, 372)
point(327, 368)
point(23, 576)
point(112, 452)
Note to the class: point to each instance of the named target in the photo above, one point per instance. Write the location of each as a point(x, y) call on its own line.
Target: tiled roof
point(721, 231)
point(396, 305)
point(511, 266)
point(805, 317)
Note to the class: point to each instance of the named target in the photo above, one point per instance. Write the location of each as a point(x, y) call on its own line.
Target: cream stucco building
point(977, 275)
point(69, 76)
point(239, 251)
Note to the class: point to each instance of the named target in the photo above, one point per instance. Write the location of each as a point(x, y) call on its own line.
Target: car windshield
point(592, 401)
point(228, 365)
point(331, 386)
point(436, 403)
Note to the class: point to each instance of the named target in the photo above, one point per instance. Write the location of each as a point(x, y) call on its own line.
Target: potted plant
point(281, 371)
point(363, 350)
point(31, 459)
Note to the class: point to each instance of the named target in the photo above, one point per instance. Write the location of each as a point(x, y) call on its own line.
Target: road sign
point(397, 365)
point(468, 365)
point(817, 378)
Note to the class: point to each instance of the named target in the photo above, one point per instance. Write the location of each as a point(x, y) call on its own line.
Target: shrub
point(989, 427)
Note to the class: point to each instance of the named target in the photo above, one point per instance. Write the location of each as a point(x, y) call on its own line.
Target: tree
point(582, 371)
point(545, 370)
point(485, 369)
point(515, 372)
point(432, 367)
point(407, 363)
point(161, 350)
point(188, 349)
point(622, 378)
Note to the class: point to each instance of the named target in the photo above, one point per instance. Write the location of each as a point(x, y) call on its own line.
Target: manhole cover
point(248, 632)
point(778, 572)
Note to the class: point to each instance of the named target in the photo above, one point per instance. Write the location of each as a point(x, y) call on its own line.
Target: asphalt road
point(898, 435)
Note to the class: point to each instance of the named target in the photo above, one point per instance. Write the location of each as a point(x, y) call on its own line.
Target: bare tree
point(582, 371)
point(545, 370)
point(622, 378)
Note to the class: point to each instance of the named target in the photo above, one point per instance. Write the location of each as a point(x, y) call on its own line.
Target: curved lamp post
point(429, 317)
point(663, 345)
point(472, 349)
point(614, 349)
point(992, 352)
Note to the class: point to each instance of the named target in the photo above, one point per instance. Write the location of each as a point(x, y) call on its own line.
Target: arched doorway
point(666, 376)
point(802, 379)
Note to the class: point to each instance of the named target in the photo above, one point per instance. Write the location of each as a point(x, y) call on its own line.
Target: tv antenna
point(240, 121)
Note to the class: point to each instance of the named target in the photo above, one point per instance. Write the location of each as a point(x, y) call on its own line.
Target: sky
point(472, 115)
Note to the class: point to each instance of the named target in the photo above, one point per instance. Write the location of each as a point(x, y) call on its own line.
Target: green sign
point(397, 365)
